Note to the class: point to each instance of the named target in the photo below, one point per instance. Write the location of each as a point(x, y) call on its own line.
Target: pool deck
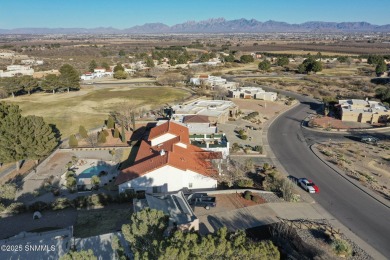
point(83, 164)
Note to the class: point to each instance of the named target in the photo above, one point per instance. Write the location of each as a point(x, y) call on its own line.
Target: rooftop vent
point(162, 152)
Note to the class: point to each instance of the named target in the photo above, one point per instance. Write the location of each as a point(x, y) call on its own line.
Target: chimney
point(162, 152)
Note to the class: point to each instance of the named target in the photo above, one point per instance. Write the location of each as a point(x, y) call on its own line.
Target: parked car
point(202, 200)
point(369, 139)
point(308, 185)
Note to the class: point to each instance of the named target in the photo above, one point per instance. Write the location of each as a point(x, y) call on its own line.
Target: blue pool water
point(94, 170)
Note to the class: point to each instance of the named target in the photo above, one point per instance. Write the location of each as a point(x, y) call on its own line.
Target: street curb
point(356, 183)
point(343, 132)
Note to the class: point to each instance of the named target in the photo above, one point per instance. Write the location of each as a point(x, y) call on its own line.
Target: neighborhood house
point(364, 111)
point(167, 162)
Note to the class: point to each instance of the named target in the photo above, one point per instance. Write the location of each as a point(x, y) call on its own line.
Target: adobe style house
point(167, 162)
point(364, 111)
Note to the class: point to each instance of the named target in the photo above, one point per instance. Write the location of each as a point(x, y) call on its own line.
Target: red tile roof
point(172, 128)
point(186, 158)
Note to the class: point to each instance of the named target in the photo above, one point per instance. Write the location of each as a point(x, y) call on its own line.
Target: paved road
point(359, 212)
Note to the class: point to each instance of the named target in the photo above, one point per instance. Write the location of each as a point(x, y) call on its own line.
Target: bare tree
point(125, 114)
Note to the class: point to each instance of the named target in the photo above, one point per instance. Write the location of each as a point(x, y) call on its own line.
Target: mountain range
point(218, 25)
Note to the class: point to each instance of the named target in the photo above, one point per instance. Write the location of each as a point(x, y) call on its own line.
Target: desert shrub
point(61, 203)
point(80, 202)
point(258, 148)
point(247, 195)
point(341, 247)
point(244, 183)
point(287, 189)
point(16, 208)
point(95, 200)
point(126, 196)
point(243, 137)
point(235, 147)
point(251, 115)
point(256, 199)
point(39, 206)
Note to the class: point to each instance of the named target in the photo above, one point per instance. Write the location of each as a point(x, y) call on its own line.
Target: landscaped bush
point(248, 195)
point(126, 196)
point(70, 174)
point(256, 199)
point(243, 137)
point(71, 183)
point(16, 208)
point(105, 132)
point(39, 206)
point(61, 203)
point(235, 147)
point(341, 247)
point(95, 200)
point(80, 202)
point(244, 183)
point(258, 148)
point(251, 115)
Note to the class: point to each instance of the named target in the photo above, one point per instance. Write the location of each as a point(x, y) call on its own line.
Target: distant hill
point(218, 25)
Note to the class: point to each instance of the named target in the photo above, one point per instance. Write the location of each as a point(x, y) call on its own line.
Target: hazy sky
point(126, 13)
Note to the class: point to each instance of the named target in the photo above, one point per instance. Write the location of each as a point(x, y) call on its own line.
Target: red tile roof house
point(167, 162)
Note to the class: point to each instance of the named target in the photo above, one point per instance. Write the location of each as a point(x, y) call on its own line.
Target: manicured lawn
point(90, 107)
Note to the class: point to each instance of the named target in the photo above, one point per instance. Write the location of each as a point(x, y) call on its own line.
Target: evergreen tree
point(51, 83)
point(116, 133)
point(145, 235)
point(92, 65)
point(265, 65)
point(120, 74)
point(83, 132)
point(110, 122)
point(247, 59)
point(69, 78)
point(79, 255)
point(24, 137)
point(282, 61)
point(123, 134)
point(229, 58)
point(105, 65)
point(118, 67)
point(149, 62)
point(381, 67)
point(28, 83)
point(11, 85)
point(73, 141)
point(145, 232)
point(101, 138)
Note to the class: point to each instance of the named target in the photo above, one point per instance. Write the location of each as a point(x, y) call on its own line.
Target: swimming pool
point(94, 170)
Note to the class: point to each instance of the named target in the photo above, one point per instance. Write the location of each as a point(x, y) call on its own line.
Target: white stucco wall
point(162, 138)
point(170, 179)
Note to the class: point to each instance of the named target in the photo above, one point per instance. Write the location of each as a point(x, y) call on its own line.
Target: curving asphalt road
point(364, 216)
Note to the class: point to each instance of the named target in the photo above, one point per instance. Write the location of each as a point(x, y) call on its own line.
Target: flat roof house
point(364, 111)
point(217, 111)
